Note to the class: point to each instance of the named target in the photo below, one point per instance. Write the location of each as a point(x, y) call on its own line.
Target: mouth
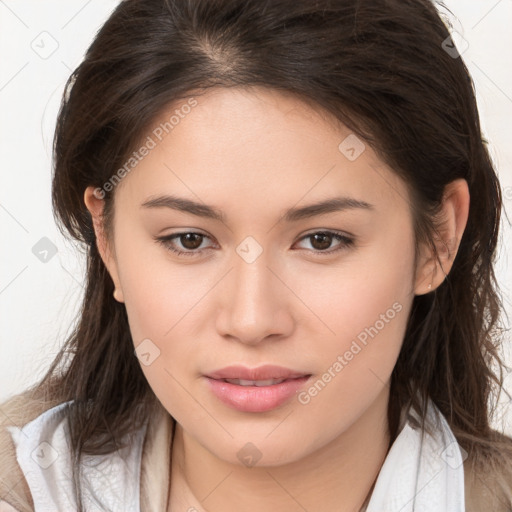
point(259, 383)
point(255, 394)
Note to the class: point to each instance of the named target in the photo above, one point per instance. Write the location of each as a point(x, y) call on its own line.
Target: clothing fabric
point(421, 473)
point(109, 482)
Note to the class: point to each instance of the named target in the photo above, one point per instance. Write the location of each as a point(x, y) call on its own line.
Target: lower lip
point(255, 398)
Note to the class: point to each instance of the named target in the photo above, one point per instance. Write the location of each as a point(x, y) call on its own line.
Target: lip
point(265, 372)
point(255, 398)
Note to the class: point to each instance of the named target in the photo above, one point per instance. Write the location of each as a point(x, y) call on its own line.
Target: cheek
point(364, 306)
point(159, 294)
point(371, 288)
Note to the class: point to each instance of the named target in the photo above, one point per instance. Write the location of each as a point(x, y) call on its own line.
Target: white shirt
point(418, 475)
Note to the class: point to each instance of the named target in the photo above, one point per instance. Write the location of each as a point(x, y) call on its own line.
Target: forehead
point(259, 144)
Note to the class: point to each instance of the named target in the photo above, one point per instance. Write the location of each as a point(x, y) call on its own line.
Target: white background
point(40, 43)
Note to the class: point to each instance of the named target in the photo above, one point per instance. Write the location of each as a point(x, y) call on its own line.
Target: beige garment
point(156, 462)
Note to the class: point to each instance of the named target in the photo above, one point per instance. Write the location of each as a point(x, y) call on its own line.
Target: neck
point(338, 476)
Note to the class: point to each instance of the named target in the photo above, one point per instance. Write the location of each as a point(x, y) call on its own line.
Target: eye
point(190, 240)
point(322, 240)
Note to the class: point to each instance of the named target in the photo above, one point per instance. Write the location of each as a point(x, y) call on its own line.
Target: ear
point(453, 219)
point(95, 206)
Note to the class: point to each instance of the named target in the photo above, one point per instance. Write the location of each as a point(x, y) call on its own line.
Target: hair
point(379, 67)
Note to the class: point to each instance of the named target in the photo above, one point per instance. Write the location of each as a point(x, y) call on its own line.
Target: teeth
point(242, 382)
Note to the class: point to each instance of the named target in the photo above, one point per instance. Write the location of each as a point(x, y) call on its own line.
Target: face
point(263, 280)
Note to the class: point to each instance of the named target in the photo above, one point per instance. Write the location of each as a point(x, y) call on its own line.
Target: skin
point(253, 153)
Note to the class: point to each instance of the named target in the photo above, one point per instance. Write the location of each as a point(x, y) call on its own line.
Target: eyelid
point(344, 234)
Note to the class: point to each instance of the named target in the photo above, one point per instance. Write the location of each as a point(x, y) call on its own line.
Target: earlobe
point(95, 206)
point(426, 277)
point(452, 222)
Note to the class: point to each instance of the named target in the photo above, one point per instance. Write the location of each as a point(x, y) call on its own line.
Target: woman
point(290, 220)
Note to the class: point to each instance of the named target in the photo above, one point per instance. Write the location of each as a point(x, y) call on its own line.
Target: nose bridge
point(252, 307)
point(252, 298)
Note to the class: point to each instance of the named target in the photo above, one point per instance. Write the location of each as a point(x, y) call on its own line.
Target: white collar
point(421, 473)
point(109, 482)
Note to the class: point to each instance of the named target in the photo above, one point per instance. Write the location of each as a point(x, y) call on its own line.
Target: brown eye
point(322, 241)
point(191, 240)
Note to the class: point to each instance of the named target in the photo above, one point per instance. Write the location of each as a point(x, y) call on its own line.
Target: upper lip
point(265, 372)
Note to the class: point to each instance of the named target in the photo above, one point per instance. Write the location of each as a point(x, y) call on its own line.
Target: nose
point(255, 304)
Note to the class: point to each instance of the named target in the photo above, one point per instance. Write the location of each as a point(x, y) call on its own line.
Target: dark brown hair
point(378, 66)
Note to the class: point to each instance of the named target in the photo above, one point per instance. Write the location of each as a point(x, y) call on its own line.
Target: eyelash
point(346, 242)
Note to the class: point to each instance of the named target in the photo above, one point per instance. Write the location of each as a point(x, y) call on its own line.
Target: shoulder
point(488, 477)
point(15, 413)
point(38, 473)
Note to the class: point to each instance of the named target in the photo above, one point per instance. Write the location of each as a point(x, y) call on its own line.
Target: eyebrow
point(335, 204)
